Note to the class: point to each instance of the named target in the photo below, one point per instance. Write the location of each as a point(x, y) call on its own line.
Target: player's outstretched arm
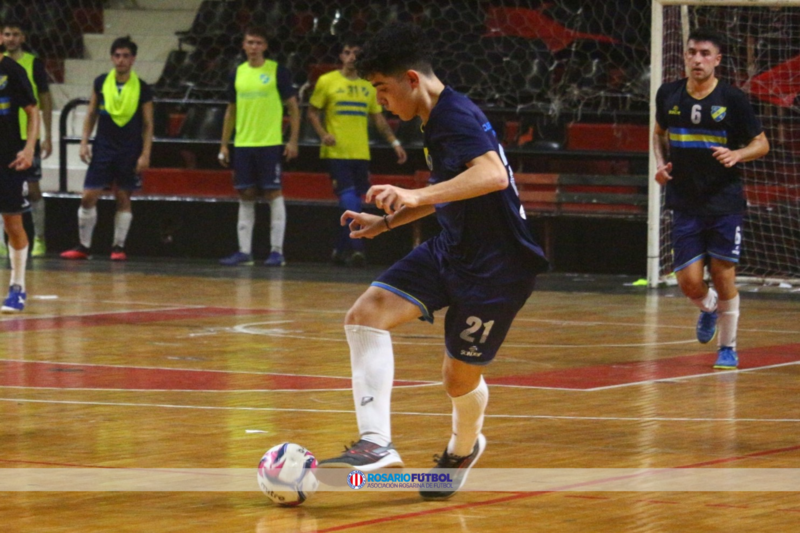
point(228, 123)
point(24, 158)
point(663, 168)
point(291, 150)
point(147, 137)
point(367, 226)
point(88, 127)
point(46, 102)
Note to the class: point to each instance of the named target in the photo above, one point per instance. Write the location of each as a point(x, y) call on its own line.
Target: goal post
point(761, 56)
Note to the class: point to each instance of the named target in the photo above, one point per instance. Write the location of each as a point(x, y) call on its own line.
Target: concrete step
point(151, 47)
point(120, 22)
point(64, 92)
point(84, 71)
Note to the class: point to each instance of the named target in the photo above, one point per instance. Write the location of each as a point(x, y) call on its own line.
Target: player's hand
point(86, 153)
point(47, 148)
point(363, 225)
point(402, 157)
point(328, 140)
point(663, 174)
point(224, 156)
point(291, 150)
point(390, 198)
point(726, 156)
point(23, 161)
point(143, 163)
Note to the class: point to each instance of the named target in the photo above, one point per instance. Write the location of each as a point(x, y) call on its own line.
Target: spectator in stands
point(258, 91)
point(482, 265)
point(122, 107)
point(347, 101)
point(704, 129)
point(13, 40)
point(16, 156)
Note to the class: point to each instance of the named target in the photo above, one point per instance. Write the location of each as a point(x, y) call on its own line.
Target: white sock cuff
point(708, 303)
point(87, 213)
point(481, 393)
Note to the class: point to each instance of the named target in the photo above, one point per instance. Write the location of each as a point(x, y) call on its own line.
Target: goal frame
point(656, 74)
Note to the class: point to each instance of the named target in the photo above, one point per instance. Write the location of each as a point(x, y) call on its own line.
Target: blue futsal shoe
point(236, 259)
point(15, 302)
point(706, 327)
point(727, 359)
point(275, 259)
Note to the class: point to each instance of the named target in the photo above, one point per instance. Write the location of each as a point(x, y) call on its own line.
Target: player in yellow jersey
point(257, 94)
point(347, 102)
point(13, 41)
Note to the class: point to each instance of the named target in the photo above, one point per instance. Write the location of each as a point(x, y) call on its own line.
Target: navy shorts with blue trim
point(108, 168)
point(349, 174)
point(479, 315)
point(694, 237)
point(257, 166)
point(12, 201)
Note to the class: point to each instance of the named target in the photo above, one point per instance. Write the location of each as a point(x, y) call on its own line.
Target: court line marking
point(658, 380)
point(90, 389)
point(402, 413)
point(247, 329)
point(629, 324)
point(33, 318)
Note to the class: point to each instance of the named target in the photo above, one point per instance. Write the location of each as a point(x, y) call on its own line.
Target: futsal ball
point(286, 474)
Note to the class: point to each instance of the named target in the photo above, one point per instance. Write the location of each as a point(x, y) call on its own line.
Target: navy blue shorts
point(257, 166)
point(35, 172)
point(349, 174)
point(479, 315)
point(695, 237)
point(108, 168)
point(12, 202)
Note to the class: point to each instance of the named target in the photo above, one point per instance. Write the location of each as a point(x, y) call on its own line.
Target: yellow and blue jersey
point(701, 185)
point(347, 105)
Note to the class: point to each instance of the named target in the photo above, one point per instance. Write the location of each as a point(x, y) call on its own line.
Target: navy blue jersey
point(111, 137)
point(701, 185)
point(484, 237)
point(15, 92)
point(285, 87)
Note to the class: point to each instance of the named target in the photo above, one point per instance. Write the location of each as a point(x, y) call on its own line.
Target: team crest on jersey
point(718, 112)
point(3, 82)
point(675, 111)
point(264, 79)
point(428, 159)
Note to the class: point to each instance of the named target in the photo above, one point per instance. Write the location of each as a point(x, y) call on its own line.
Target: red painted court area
point(68, 376)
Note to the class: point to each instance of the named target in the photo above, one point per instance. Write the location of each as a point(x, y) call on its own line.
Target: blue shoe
point(706, 327)
point(15, 301)
point(727, 359)
point(275, 259)
point(237, 259)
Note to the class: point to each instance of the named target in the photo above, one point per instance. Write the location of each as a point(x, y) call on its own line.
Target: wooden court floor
point(166, 365)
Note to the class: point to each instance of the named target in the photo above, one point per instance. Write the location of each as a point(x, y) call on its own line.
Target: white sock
point(2, 231)
point(468, 419)
point(708, 303)
point(122, 223)
point(372, 363)
point(87, 218)
point(37, 213)
point(728, 321)
point(19, 258)
point(247, 219)
point(277, 223)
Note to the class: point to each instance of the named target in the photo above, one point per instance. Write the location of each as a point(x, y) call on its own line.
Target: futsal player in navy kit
point(704, 129)
point(16, 156)
point(122, 107)
point(482, 265)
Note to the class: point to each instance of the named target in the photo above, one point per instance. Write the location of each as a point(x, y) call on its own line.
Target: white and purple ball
point(286, 474)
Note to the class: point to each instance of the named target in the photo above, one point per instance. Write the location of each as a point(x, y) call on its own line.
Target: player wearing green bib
point(347, 102)
point(13, 40)
point(257, 94)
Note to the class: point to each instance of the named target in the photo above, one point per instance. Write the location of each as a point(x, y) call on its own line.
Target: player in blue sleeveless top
point(481, 266)
point(704, 129)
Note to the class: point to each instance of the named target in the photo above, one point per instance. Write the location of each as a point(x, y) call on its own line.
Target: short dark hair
point(11, 23)
point(257, 31)
point(706, 35)
point(124, 42)
point(398, 47)
point(350, 41)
